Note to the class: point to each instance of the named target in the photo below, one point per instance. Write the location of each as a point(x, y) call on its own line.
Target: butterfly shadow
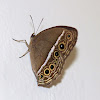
point(68, 63)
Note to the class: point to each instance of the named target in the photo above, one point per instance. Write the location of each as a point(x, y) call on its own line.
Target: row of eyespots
point(61, 47)
point(47, 70)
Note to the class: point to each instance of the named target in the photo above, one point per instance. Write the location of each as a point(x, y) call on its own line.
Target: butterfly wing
point(51, 48)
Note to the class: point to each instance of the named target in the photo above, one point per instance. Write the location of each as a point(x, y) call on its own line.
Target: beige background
point(80, 79)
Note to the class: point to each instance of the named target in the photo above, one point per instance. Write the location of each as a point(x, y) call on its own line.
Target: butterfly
point(49, 50)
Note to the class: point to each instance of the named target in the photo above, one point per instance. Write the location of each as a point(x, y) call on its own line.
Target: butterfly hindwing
point(60, 51)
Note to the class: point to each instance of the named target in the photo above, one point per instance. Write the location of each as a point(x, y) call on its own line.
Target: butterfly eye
point(68, 36)
point(61, 46)
point(56, 54)
point(32, 35)
point(46, 71)
point(51, 66)
point(40, 76)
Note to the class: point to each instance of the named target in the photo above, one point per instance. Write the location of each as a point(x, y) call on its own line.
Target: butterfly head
point(32, 35)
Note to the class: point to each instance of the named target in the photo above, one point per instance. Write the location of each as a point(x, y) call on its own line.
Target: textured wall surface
point(80, 79)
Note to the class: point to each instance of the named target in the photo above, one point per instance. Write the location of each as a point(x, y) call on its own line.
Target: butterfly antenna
point(39, 25)
point(33, 23)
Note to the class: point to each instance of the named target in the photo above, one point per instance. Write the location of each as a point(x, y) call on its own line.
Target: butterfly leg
point(24, 53)
point(23, 41)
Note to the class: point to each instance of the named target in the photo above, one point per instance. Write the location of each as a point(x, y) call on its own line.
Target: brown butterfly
point(49, 50)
